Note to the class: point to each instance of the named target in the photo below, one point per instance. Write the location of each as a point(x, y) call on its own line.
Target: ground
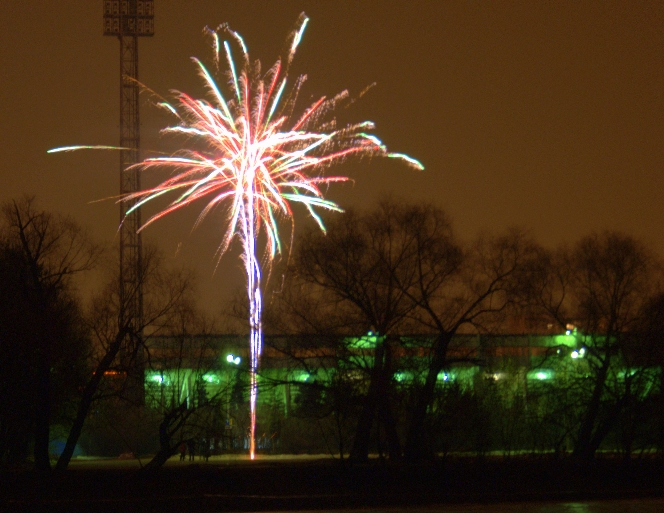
point(231, 483)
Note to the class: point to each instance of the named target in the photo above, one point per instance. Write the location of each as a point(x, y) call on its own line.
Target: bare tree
point(354, 274)
point(398, 269)
point(49, 250)
point(182, 357)
point(602, 284)
point(459, 289)
point(116, 351)
point(645, 351)
point(613, 278)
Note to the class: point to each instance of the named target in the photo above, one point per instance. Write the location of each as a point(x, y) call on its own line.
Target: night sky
point(544, 115)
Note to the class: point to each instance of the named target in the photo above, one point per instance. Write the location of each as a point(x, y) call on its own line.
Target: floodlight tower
point(128, 20)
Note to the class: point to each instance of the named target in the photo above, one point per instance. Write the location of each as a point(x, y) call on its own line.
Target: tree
point(352, 274)
point(16, 377)
point(613, 279)
point(183, 357)
point(646, 352)
point(42, 252)
point(20, 347)
point(398, 269)
point(117, 351)
point(457, 289)
point(602, 284)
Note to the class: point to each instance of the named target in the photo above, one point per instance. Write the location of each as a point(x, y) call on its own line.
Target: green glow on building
point(300, 375)
point(541, 374)
point(368, 341)
point(211, 377)
point(402, 377)
point(157, 377)
point(626, 373)
point(566, 340)
point(461, 376)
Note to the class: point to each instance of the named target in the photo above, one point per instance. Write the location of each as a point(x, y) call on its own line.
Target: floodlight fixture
point(129, 18)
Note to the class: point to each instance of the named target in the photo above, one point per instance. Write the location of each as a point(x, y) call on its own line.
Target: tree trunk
point(74, 432)
point(162, 456)
point(360, 449)
point(415, 439)
point(43, 389)
point(584, 449)
point(383, 404)
point(415, 448)
point(43, 417)
point(87, 399)
point(388, 421)
point(170, 424)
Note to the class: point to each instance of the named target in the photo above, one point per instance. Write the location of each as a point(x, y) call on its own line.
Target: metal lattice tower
point(128, 20)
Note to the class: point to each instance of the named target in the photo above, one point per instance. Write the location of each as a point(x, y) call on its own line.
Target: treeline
point(399, 269)
point(72, 371)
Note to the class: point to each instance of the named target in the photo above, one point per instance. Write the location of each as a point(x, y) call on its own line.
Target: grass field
point(271, 483)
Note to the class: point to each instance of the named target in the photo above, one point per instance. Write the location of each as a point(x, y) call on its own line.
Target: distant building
point(201, 368)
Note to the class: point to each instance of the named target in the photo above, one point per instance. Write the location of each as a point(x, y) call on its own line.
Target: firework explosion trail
point(251, 154)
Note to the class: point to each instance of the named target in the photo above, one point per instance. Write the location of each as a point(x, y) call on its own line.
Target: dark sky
point(545, 115)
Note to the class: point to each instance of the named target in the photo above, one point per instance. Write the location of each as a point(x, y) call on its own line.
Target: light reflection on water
point(612, 506)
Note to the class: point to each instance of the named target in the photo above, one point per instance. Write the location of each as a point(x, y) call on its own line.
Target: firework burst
point(251, 155)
